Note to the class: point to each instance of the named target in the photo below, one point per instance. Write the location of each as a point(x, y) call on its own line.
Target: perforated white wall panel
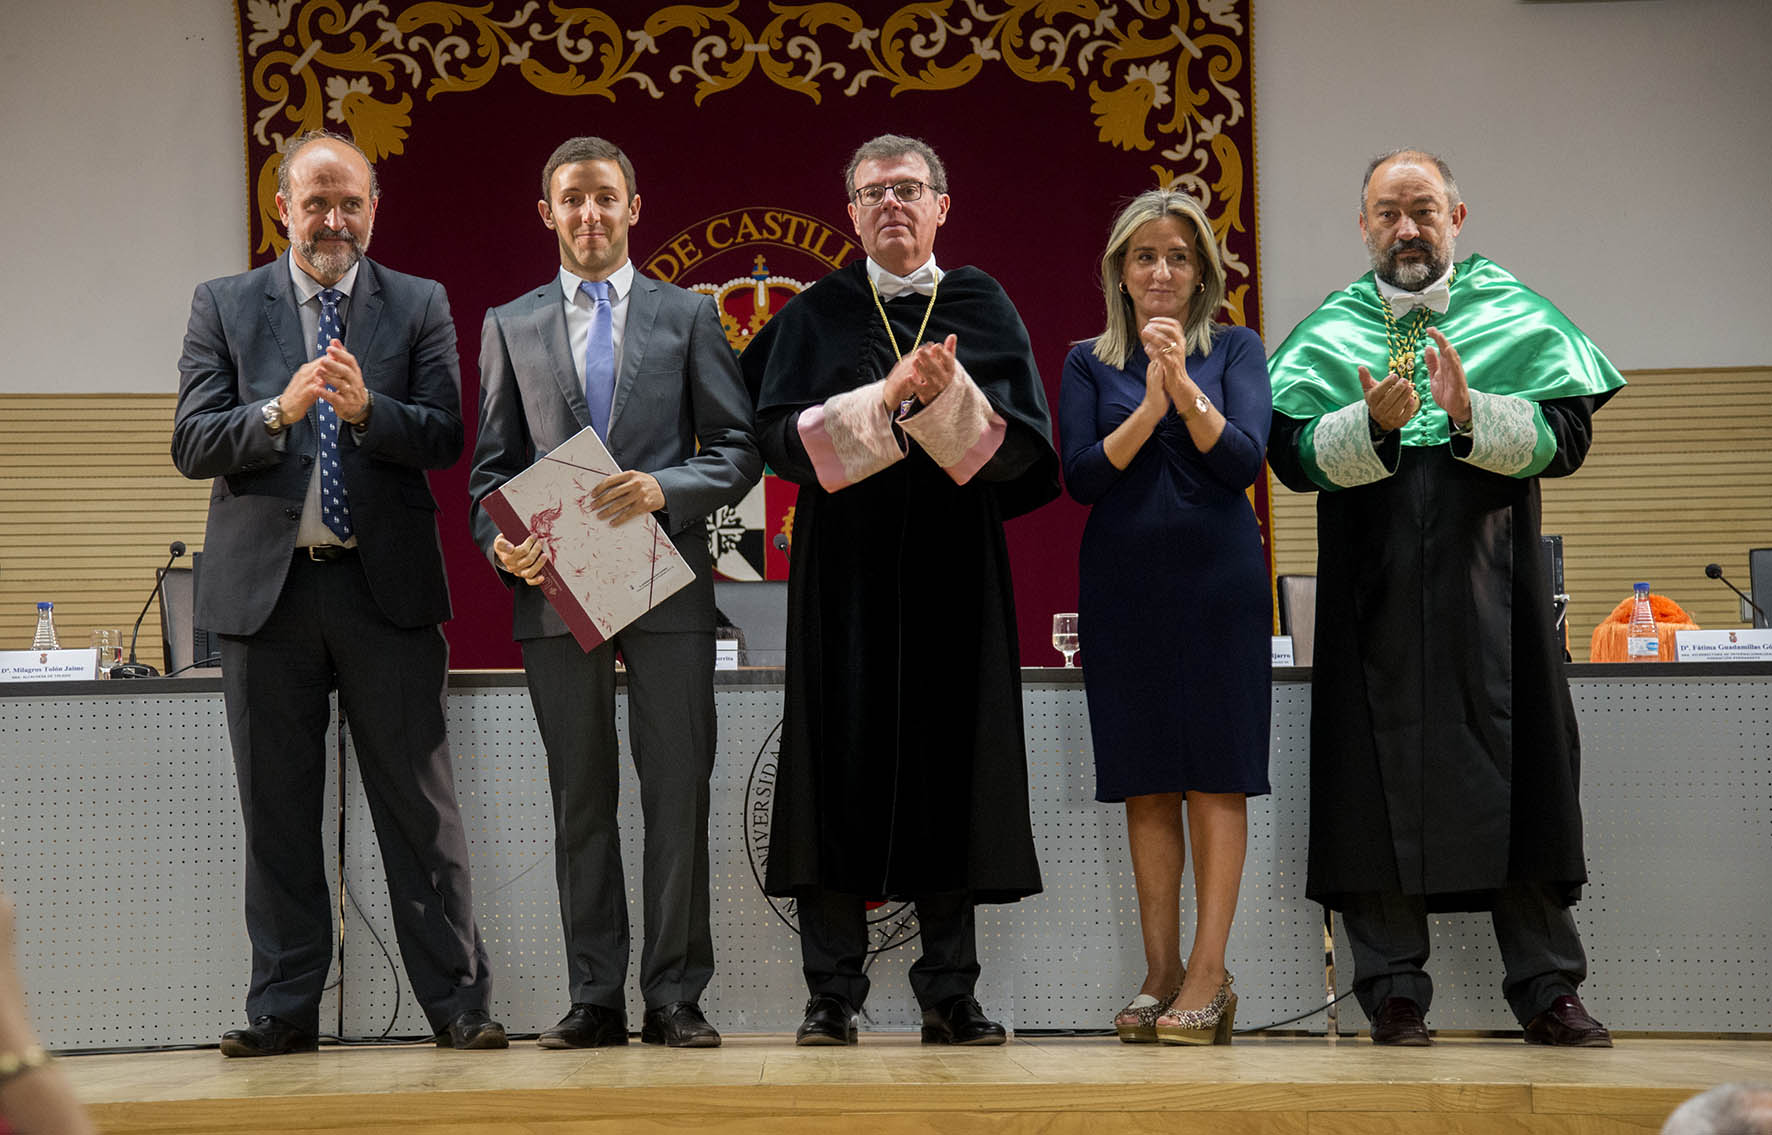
point(120, 846)
point(1065, 959)
point(1676, 792)
point(119, 843)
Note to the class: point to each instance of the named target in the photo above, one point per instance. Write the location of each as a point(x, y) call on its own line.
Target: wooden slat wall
point(1679, 476)
point(89, 501)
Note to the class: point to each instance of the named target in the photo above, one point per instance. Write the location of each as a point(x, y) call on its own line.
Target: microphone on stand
point(132, 668)
point(1715, 571)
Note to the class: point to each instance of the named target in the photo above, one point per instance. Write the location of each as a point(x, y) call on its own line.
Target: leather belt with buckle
point(326, 553)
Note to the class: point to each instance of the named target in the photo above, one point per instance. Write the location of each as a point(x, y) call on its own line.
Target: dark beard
point(1410, 277)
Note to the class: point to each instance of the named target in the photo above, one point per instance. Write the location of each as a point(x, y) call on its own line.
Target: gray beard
point(332, 265)
point(1411, 276)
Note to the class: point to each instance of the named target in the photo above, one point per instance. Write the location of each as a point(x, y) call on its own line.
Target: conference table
point(120, 846)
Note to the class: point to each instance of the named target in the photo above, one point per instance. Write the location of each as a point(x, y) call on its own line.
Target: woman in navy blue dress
point(1163, 423)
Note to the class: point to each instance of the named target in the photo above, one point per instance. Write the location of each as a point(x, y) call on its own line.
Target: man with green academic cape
point(1445, 761)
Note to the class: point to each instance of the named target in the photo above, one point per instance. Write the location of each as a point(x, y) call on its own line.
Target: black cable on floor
point(1323, 1008)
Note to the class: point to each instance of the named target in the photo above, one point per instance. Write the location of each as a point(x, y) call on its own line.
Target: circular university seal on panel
point(889, 924)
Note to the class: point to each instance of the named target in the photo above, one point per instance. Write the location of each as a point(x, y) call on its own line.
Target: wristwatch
point(1201, 406)
point(272, 412)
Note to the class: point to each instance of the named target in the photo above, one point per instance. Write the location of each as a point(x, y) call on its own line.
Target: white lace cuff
point(1504, 432)
point(1344, 451)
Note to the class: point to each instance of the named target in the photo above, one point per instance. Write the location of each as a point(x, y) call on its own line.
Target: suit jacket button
point(292, 513)
point(307, 459)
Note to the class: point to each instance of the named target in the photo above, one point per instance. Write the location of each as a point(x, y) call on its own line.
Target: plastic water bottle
point(1641, 644)
point(45, 639)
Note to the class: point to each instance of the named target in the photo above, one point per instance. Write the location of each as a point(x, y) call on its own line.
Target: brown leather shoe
point(1399, 1022)
point(1567, 1024)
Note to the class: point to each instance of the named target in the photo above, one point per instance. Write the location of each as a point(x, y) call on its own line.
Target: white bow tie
point(1438, 298)
point(922, 281)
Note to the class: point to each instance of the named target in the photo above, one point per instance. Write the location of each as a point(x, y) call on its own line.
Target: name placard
point(1282, 650)
point(49, 665)
point(1723, 646)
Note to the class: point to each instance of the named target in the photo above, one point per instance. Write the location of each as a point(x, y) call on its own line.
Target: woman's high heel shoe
point(1136, 1024)
point(1211, 1025)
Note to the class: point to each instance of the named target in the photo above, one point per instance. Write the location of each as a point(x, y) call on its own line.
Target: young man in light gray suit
point(316, 391)
point(647, 365)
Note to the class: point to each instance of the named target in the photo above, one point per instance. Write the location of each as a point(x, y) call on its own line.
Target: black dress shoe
point(679, 1025)
point(1399, 1023)
point(829, 1020)
point(960, 1020)
point(587, 1026)
point(267, 1036)
point(1567, 1024)
point(473, 1028)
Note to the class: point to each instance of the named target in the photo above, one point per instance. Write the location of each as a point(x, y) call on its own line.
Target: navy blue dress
point(1174, 608)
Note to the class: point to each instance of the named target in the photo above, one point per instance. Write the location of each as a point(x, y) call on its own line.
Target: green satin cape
point(1512, 341)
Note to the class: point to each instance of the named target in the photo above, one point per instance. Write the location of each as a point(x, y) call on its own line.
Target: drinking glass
point(109, 645)
point(1064, 636)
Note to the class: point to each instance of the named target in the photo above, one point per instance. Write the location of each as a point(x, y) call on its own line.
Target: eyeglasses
point(904, 192)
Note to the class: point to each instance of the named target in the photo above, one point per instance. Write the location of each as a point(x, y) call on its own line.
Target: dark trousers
point(834, 946)
point(327, 631)
point(1540, 948)
point(671, 730)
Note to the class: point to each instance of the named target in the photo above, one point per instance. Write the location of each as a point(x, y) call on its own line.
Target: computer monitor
point(1759, 574)
point(187, 646)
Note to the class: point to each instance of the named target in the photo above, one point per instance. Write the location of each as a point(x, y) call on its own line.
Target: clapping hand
point(344, 386)
point(1445, 375)
point(932, 368)
point(1165, 344)
point(1390, 403)
point(923, 374)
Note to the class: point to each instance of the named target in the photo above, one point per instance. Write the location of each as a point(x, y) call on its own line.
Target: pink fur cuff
point(849, 437)
point(959, 430)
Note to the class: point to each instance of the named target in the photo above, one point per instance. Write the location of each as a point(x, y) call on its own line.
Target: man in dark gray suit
point(647, 365)
point(316, 391)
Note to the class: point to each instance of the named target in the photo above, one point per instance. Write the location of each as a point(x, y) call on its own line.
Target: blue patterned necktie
point(335, 509)
point(599, 356)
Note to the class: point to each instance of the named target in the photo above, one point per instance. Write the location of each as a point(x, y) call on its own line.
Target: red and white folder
point(600, 577)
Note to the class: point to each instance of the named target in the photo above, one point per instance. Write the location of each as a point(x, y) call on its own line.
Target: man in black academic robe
point(905, 402)
point(1445, 760)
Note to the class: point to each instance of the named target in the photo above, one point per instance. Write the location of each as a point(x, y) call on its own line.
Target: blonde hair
point(1115, 344)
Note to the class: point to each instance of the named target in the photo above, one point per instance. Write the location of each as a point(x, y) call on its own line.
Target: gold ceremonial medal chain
point(1402, 343)
point(921, 327)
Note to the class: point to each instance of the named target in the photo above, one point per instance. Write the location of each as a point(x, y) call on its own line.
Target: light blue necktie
point(599, 356)
point(335, 509)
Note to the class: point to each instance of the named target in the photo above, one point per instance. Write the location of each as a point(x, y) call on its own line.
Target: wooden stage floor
point(891, 1083)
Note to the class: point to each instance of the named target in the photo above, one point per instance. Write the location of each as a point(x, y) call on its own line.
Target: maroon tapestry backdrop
point(739, 120)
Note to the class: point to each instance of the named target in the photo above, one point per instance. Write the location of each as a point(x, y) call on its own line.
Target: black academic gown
point(1445, 759)
point(903, 768)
